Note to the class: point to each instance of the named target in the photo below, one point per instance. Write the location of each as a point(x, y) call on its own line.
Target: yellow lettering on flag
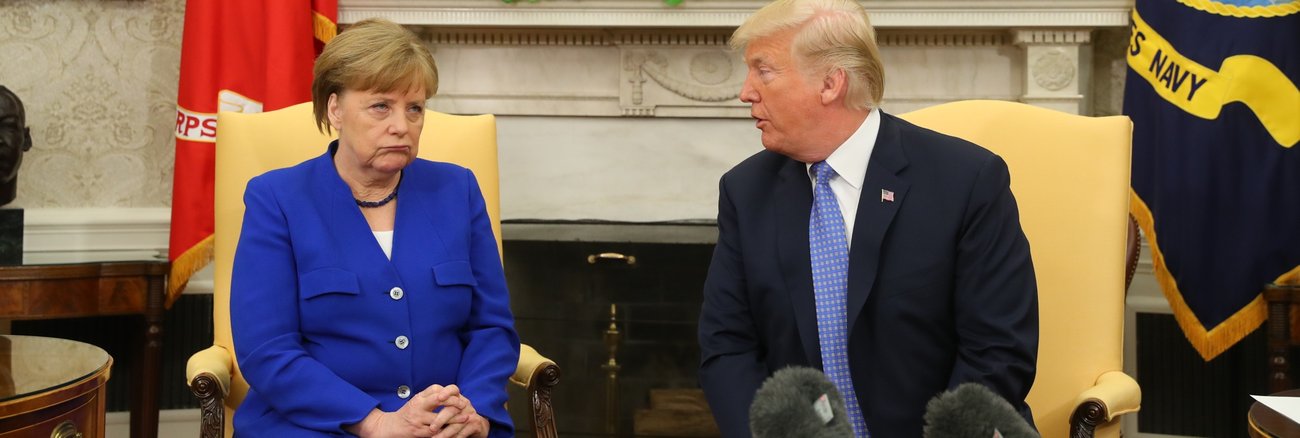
point(1202, 92)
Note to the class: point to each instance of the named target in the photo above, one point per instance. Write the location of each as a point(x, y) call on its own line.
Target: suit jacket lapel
point(415, 233)
point(333, 200)
point(875, 213)
point(791, 209)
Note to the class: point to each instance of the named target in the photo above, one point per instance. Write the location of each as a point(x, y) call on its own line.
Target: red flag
point(237, 55)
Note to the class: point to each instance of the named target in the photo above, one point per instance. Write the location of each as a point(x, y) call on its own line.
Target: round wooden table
point(1267, 423)
point(51, 387)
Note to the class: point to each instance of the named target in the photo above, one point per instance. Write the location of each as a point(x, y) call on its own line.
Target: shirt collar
point(850, 159)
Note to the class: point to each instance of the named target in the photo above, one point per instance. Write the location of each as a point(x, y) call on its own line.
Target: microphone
point(973, 410)
point(799, 402)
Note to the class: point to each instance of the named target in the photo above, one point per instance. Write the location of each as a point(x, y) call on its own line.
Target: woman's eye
point(415, 109)
point(380, 106)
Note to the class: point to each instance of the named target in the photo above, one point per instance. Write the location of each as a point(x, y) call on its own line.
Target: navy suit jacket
point(316, 309)
point(941, 287)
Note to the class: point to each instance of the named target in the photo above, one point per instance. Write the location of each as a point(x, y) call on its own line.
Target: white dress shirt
point(385, 239)
point(850, 163)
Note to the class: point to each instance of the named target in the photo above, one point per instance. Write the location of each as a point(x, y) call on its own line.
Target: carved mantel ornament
point(644, 58)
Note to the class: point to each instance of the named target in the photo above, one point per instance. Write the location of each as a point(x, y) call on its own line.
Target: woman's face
point(380, 131)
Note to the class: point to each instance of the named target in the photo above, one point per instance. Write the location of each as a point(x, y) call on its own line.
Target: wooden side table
point(1268, 423)
point(51, 387)
point(99, 289)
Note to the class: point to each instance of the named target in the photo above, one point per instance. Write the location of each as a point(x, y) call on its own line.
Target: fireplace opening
point(562, 292)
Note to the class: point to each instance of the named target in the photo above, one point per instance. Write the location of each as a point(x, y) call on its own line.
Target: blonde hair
point(372, 55)
point(829, 35)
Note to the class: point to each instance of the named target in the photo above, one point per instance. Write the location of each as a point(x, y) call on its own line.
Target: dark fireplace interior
point(562, 292)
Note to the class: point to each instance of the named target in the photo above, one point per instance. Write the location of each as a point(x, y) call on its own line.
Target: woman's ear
point(332, 111)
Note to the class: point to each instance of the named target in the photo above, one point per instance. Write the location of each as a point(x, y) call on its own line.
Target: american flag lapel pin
point(886, 196)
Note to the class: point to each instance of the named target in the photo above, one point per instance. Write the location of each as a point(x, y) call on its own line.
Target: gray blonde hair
point(829, 35)
point(372, 55)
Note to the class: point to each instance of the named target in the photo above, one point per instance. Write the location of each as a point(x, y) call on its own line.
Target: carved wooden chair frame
point(538, 377)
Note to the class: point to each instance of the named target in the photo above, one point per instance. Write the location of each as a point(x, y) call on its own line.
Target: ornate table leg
point(144, 400)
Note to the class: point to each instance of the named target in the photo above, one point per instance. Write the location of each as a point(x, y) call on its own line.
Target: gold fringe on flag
point(324, 28)
point(189, 262)
point(1209, 343)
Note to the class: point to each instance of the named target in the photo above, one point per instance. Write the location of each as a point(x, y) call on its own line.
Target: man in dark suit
point(887, 255)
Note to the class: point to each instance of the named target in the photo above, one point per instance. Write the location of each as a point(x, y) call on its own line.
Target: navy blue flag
point(1212, 93)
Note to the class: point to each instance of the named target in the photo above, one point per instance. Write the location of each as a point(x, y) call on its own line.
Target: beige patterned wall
point(98, 78)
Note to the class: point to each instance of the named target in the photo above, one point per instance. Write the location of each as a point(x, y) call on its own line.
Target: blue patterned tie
point(830, 270)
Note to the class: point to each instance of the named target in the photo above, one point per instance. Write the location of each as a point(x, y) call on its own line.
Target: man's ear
point(332, 111)
point(835, 85)
point(27, 139)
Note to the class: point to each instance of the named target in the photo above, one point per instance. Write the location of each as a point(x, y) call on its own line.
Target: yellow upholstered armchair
point(1070, 176)
point(251, 144)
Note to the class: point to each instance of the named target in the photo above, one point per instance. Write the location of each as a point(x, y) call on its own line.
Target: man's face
point(14, 137)
point(782, 99)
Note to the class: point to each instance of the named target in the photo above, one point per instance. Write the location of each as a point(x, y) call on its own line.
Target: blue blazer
point(941, 285)
point(316, 308)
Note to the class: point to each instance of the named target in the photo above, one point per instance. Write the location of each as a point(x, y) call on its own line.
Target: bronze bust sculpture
point(15, 139)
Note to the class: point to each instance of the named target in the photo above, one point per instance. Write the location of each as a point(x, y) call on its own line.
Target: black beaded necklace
point(381, 202)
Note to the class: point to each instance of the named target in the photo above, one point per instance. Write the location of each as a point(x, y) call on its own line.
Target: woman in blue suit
point(367, 296)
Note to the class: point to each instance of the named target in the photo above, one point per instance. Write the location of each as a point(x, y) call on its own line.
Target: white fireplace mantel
point(628, 110)
point(730, 13)
point(644, 58)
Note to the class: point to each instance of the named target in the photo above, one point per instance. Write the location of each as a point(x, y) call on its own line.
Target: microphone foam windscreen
point(974, 411)
point(784, 407)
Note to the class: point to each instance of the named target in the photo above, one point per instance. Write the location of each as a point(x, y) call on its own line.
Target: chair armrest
point(534, 369)
point(1114, 394)
point(1118, 393)
point(214, 360)
point(208, 375)
point(538, 375)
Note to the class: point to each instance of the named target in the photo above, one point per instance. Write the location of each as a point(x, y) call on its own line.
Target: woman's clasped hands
point(437, 411)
